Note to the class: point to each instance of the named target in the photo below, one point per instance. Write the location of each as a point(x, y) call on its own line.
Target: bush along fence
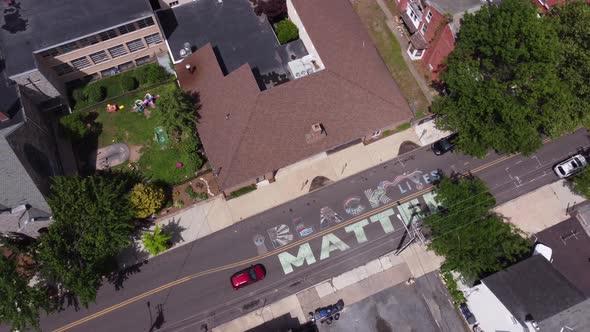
point(141, 78)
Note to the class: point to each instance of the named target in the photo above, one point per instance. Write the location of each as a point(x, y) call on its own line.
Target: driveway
point(423, 306)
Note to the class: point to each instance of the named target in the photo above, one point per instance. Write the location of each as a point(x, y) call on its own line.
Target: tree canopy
point(473, 240)
point(503, 83)
point(179, 112)
point(93, 222)
point(20, 304)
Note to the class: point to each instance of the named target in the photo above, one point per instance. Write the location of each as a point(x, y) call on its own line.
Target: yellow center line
point(272, 252)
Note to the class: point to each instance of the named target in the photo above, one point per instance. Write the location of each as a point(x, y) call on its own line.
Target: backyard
point(169, 163)
point(390, 51)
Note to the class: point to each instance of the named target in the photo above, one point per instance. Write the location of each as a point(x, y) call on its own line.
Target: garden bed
point(203, 187)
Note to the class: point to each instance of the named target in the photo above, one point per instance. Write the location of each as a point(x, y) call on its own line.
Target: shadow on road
point(157, 322)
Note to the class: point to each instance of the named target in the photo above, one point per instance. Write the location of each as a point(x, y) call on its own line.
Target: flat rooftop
point(571, 252)
point(30, 25)
point(238, 36)
point(456, 6)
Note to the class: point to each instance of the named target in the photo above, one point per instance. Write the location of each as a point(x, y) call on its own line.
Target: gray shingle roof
point(34, 25)
point(534, 287)
point(17, 186)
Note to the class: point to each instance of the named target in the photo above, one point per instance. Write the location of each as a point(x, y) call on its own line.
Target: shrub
point(74, 125)
point(154, 74)
point(95, 93)
point(128, 83)
point(78, 95)
point(146, 199)
point(179, 203)
point(386, 133)
point(457, 295)
point(403, 127)
point(156, 242)
point(242, 191)
point(287, 31)
point(195, 195)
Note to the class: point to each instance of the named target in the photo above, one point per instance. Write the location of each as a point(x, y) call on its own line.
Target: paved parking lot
point(423, 306)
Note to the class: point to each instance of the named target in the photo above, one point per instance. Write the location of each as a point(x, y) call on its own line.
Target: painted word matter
point(331, 243)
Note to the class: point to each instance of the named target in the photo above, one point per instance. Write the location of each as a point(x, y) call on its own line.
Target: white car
point(570, 166)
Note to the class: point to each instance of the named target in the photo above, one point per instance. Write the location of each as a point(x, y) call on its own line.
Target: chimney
point(316, 133)
point(4, 117)
point(530, 322)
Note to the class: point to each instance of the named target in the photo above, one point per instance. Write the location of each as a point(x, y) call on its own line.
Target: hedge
point(119, 84)
point(242, 191)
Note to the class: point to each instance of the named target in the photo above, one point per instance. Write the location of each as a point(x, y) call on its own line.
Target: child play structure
point(148, 100)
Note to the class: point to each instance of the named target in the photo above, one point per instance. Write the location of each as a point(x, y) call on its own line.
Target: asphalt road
point(330, 230)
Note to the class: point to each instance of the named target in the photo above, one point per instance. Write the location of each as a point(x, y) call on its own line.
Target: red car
point(248, 276)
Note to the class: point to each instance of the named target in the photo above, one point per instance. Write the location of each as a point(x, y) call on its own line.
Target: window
point(127, 28)
point(429, 16)
point(109, 72)
point(135, 45)
point(69, 47)
point(126, 66)
point(88, 41)
point(99, 57)
point(81, 63)
point(424, 27)
point(143, 60)
point(109, 34)
point(146, 22)
point(173, 3)
point(49, 53)
point(63, 69)
point(153, 39)
point(117, 51)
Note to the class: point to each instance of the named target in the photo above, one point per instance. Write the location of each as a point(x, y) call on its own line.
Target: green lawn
point(156, 162)
point(130, 127)
point(390, 51)
point(160, 164)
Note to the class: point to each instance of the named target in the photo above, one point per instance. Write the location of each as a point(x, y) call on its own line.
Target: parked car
point(570, 166)
point(248, 276)
point(444, 145)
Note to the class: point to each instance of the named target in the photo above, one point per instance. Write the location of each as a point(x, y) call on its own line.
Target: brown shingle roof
point(354, 96)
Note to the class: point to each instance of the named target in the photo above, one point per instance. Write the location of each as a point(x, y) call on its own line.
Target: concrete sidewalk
point(541, 208)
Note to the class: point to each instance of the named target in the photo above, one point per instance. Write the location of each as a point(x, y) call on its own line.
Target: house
point(432, 27)
point(335, 93)
point(569, 242)
point(29, 156)
point(531, 295)
point(49, 43)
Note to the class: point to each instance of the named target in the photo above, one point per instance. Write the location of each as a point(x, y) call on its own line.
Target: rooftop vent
point(186, 50)
point(316, 133)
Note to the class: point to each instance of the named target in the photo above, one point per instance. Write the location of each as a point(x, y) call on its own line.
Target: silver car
point(570, 166)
